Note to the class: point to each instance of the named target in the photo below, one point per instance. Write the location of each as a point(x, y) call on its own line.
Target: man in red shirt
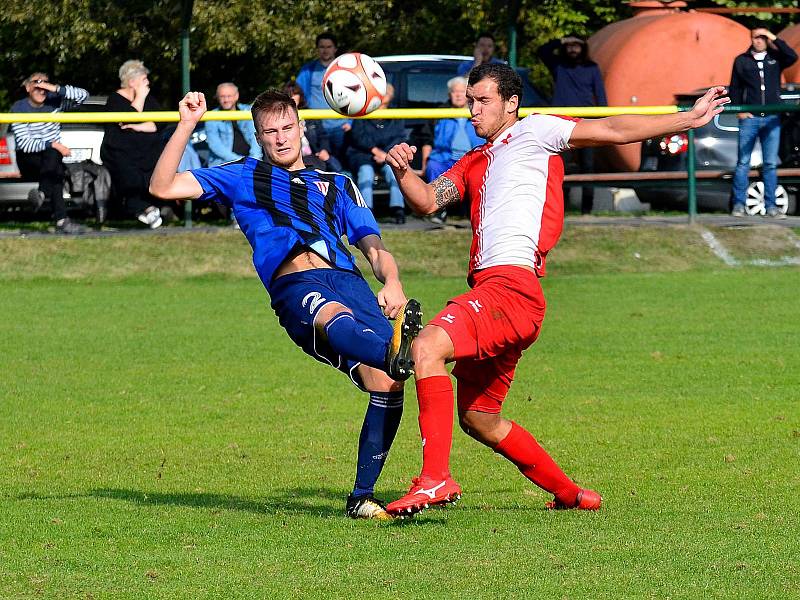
point(513, 185)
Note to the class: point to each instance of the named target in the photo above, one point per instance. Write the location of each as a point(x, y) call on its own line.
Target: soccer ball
point(354, 84)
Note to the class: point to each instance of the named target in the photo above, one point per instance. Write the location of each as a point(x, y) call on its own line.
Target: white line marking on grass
point(782, 262)
point(718, 249)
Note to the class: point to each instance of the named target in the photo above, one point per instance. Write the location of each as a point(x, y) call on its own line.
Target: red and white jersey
point(514, 187)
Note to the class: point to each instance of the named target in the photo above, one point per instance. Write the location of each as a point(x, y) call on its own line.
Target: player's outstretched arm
point(165, 182)
point(624, 129)
point(391, 297)
point(419, 195)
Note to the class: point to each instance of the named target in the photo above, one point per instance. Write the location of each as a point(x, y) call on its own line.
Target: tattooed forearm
point(446, 192)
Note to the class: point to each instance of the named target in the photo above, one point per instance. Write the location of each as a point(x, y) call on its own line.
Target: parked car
point(715, 149)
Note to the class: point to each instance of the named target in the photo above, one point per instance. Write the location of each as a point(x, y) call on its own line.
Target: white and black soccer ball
point(354, 84)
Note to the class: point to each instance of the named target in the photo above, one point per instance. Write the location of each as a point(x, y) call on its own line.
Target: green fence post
point(186, 22)
point(692, 181)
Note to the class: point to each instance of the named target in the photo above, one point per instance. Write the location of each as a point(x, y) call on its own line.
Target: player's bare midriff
point(301, 259)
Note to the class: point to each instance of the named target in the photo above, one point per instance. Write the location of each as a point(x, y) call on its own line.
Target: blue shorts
point(298, 297)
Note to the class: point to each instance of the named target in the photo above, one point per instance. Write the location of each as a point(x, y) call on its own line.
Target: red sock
point(522, 449)
point(435, 395)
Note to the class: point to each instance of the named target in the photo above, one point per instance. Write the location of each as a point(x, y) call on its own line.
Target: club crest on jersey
point(323, 187)
point(315, 299)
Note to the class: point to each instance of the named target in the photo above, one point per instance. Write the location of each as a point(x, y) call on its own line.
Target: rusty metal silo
point(662, 50)
point(791, 35)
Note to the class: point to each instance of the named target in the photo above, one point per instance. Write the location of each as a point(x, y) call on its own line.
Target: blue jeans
point(435, 168)
point(768, 131)
point(366, 175)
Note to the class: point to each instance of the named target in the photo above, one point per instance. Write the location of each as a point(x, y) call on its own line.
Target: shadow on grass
point(308, 501)
point(319, 502)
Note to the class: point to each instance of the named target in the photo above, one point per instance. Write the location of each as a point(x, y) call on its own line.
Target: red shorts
point(490, 326)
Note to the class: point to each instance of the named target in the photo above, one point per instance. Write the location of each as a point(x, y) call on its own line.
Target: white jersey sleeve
point(551, 132)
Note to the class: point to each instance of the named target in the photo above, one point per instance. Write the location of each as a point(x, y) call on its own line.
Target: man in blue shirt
point(577, 82)
point(230, 140)
point(310, 80)
point(482, 53)
point(294, 218)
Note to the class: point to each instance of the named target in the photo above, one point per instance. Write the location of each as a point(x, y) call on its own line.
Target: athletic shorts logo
point(315, 298)
point(323, 187)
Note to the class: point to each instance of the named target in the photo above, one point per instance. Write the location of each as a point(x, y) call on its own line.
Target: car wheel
point(754, 203)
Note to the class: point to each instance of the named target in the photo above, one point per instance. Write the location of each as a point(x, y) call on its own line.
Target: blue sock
point(352, 341)
point(377, 434)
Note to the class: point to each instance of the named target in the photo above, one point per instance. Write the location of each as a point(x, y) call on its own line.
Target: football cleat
point(407, 325)
point(366, 507)
point(425, 492)
point(586, 500)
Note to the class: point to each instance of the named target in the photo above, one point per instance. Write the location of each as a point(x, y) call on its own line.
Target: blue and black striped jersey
point(279, 210)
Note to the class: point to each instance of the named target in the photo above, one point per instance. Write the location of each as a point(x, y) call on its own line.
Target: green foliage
point(774, 22)
point(256, 44)
point(259, 44)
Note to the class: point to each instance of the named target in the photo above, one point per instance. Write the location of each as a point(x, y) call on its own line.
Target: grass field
point(160, 437)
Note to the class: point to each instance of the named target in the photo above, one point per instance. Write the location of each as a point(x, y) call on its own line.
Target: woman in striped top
point(38, 145)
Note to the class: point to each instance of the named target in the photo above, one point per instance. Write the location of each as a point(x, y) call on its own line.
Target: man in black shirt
point(756, 79)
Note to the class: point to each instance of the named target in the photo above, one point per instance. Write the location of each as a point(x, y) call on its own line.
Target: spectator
point(452, 138)
point(482, 53)
point(130, 150)
point(230, 140)
point(756, 79)
point(316, 149)
point(310, 81)
point(370, 140)
point(39, 148)
point(578, 82)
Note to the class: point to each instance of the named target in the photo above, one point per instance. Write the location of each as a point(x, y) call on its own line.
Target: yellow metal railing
point(166, 116)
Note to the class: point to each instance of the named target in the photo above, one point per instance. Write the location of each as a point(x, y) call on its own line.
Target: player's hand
point(400, 156)
point(708, 106)
point(391, 298)
point(192, 107)
point(323, 155)
point(744, 115)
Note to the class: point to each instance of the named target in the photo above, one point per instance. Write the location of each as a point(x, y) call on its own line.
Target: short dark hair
point(272, 101)
point(507, 79)
point(326, 35)
point(485, 34)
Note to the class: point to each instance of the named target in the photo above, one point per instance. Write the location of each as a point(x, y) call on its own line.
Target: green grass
point(160, 436)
